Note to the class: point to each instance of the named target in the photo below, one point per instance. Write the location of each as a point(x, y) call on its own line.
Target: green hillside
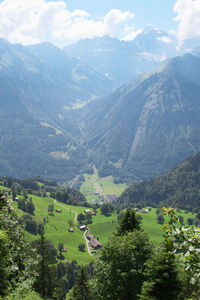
point(178, 188)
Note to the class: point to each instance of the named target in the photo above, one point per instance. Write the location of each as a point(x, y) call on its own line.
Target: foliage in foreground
point(18, 266)
point(119, 270)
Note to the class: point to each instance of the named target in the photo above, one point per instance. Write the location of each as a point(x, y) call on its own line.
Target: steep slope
point(39, 86)
point(178, 188)
point(124, 60)
point(149, 125)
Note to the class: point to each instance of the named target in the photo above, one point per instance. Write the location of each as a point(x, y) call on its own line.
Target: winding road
point(75, 220)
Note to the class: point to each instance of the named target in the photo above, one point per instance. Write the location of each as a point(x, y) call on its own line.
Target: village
point(91, 241)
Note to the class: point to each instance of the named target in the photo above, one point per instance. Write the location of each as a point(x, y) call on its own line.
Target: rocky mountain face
point(149, 125)
point(124, 60)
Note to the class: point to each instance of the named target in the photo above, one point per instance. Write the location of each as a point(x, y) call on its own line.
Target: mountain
point(39, 87)
point(178, 188)
point(124, 60)
point(147, 126)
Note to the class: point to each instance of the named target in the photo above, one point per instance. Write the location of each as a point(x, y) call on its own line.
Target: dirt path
point(75, 220)
point(87, 243)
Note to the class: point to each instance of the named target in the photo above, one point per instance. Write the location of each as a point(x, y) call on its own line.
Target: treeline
point(44, 189)
point(178, 188)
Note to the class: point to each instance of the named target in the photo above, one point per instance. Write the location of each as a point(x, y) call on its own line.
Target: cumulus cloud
point(188, 17)
point(29, 22)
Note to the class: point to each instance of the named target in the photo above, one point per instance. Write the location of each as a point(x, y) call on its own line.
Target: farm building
point(86, 211)
point(64, 249)
point(82, 227)
point(58, 210)
point(95, 244)
point(90, 237)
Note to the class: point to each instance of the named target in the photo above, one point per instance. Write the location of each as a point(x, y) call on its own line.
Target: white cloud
point(29, 22)
point(164, 39)
point(188, 16)
point(130, 33)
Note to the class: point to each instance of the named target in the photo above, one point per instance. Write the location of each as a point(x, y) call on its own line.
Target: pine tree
point(81, 289)
point(162, 281)
point(46, 282)
point(128, 223)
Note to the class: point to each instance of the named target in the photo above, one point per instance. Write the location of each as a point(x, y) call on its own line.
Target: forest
point(129, 266)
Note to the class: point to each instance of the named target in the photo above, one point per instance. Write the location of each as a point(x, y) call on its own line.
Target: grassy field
point(102, 227)
point(56, 229)
point(105, 186)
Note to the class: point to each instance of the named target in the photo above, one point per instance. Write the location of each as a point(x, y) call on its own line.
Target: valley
point(99, 161)
point(56, 225)
point(100, 190)
point(62, 116)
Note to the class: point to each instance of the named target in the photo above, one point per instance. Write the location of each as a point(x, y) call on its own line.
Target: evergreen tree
point(30, 207)
point(81, 289)
point(162, 281)
point(128, 223)
point(46, 281)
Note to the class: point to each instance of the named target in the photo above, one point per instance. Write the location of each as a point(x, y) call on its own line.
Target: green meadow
point(56, 229)
point(94, 184)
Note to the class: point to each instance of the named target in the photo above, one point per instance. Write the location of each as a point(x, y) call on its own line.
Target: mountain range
point(59, 116)
point(124, 60)
point(149, 125)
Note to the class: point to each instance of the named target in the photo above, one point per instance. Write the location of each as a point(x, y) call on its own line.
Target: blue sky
point(63, 22)
point(159, 13)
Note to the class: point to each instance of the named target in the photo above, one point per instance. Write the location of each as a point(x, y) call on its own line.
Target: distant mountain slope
point(39, 86)
point(149, 125)
point(178, 188)
point(124, 60)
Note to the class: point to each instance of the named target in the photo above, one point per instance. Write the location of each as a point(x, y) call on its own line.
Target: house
point(71, 229)
point(58, 210)
point(82, 227)
point(64, 249)
point(86, 211)
point(143, 211)
point(93, 213)
point(95, 244)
